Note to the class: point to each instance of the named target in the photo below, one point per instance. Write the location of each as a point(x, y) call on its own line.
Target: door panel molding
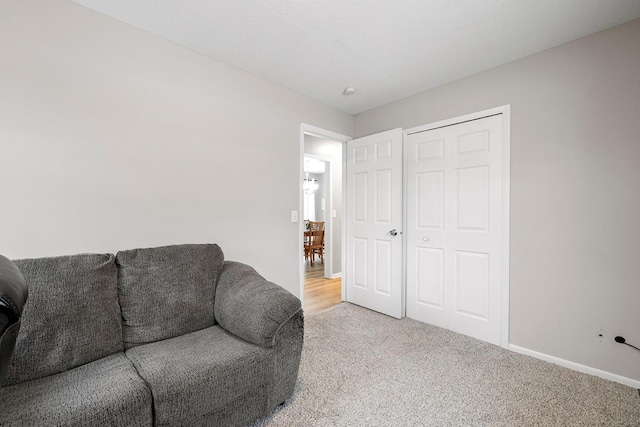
point(473, 151)
point(374, 264)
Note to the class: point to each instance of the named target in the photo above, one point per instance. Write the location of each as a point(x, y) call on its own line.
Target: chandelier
point(310, 185)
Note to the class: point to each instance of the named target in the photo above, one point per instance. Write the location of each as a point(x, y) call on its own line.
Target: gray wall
point(575, 190)
point(112, 138)
point(332, 150)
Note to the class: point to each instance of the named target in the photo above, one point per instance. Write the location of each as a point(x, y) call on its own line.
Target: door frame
point(306, 129)
point(505, 110)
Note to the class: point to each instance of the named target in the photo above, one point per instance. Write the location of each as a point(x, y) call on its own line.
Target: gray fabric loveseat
point(161, 336)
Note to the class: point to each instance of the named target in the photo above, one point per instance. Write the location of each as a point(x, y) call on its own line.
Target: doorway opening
point(321, 200)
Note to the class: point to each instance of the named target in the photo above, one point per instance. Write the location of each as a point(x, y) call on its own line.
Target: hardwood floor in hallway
point(320, 293)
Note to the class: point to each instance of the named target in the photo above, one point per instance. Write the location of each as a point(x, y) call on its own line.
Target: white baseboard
point(335, 276)
point(577, 366)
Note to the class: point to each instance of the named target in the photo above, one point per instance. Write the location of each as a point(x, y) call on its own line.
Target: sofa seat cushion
point(105, 392)
point(199, 374)
point(72, 316)
point(167, 291)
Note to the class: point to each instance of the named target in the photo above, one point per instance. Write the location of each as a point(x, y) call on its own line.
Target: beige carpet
point(361, 368)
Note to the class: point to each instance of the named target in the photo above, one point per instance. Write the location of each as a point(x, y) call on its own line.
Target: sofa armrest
point(13, 297)
point(251, 307)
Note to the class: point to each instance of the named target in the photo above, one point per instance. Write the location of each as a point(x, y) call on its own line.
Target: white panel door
point(373, 223)
point(454, 197)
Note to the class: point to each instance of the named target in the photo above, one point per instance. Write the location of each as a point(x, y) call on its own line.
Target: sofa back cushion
point(72, 316)
point(167, 291)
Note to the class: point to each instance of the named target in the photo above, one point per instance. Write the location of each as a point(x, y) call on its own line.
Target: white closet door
point(454, 196)
point(373, 223)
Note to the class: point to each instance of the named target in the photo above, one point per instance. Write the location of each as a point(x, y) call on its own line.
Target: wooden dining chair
point(314, 242)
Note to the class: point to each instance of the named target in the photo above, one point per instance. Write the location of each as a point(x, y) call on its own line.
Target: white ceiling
point(386, 49)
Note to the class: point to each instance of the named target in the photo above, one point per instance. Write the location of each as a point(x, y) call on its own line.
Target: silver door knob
point(426, 239)
point(393, 232)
